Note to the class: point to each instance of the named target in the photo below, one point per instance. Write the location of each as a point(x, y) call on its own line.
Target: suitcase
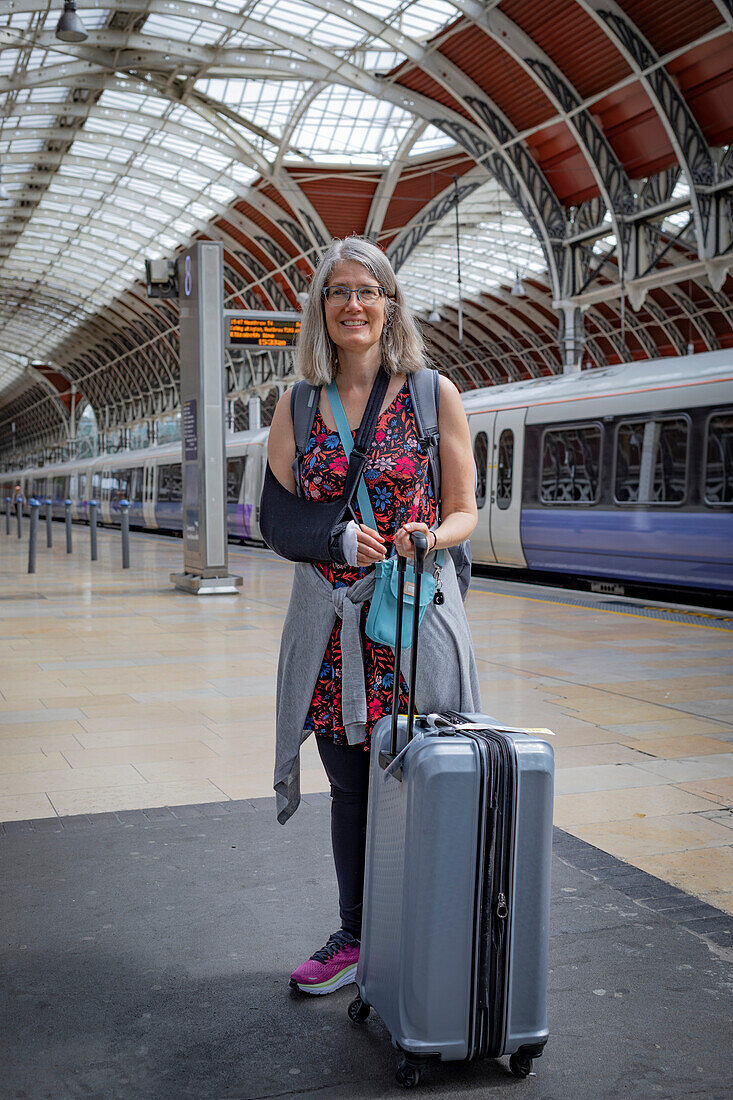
point(455, 929)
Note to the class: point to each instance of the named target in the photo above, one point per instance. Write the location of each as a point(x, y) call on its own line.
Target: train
point(620, 473)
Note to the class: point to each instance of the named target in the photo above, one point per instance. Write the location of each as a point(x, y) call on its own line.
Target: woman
point(355, 323)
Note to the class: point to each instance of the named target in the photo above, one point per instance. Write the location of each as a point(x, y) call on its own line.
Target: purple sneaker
point(330, 968)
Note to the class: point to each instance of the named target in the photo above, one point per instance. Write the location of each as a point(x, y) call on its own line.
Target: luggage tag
point(538, 731)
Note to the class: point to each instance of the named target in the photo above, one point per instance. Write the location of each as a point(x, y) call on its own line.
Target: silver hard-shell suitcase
point(455, 928)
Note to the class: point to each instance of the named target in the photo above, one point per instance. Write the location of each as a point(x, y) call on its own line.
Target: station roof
point(277, 124)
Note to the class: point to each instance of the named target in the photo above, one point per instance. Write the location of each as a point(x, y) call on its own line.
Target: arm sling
point(303, 530)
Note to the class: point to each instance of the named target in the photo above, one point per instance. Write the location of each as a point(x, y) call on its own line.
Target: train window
point(38, 488)
point(235, 473)
point(59, 488)
point(719, 460)
point(135, 485)
point(670, 462)
point(170, 483)
point(571, 465)
point(504, 469)
point(120, 486)
point(481, 458)
point(651, 461)
point(629, 445)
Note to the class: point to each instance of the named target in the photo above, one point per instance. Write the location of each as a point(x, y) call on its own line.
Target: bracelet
point(435, 541)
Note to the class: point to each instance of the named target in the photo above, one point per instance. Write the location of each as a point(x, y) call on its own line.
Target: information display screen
point(261, 329)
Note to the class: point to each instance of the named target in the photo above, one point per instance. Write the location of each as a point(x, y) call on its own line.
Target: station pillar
point(203, 423)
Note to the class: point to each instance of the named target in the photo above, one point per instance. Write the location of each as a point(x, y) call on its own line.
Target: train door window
point(59, 488)
point(505, 464)
point(148, 483)
point(719, 460)
point(136, 483)
point(96, 484)
point(481, 458)
point(38, 488)
point(235, 476)
point(571, 458)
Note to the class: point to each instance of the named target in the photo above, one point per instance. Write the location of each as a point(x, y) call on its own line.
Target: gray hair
point(403, 350)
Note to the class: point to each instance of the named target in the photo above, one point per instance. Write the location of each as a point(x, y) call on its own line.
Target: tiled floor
point(118, 692)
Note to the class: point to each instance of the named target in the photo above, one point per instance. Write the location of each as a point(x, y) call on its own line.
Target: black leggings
point(347, 768)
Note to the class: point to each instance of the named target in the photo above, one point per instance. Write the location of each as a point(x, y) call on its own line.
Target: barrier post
point(19, 514)
point(7, 515)
point(49, 518)
point(125, 524)
point(67, 509)
point(35, 506)
point(93, 527)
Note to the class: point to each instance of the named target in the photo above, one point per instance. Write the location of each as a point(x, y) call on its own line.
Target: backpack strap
point(303, 405)
point(424, 387)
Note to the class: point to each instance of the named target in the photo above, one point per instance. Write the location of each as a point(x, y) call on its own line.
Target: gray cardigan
point(446, 670)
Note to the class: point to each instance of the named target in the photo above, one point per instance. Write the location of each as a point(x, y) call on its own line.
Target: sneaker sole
point(345, 977)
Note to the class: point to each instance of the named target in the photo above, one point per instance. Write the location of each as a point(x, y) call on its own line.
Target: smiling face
point(353, 327)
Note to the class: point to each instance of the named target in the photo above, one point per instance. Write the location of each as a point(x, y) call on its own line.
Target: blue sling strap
point(347, 441)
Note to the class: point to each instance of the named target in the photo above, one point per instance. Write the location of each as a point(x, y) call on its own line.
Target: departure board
point(260, 328)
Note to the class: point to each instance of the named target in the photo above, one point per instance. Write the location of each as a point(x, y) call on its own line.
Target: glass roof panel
point(139, 170)
point(496, 245)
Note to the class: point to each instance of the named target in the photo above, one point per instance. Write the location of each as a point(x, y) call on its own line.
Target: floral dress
point(397, 478)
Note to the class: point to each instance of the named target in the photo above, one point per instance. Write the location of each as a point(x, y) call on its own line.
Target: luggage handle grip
point(420, 542)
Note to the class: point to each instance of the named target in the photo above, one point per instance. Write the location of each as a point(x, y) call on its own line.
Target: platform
point(119, 692)
point(154, 908)
point(150, 954)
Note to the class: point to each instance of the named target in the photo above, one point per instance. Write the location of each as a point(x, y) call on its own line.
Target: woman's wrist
point(435, 540)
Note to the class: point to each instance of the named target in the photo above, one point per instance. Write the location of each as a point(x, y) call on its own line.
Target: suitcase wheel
point(358, 1011)
point(407, 1076)
point(520, 1064)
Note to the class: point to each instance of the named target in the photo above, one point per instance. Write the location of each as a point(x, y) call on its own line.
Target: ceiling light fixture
point(434, 317)
point(70, 27)
point(518, 290)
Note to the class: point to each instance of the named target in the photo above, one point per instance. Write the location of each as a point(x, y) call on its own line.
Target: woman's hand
point(403, 542)
point(370, 546)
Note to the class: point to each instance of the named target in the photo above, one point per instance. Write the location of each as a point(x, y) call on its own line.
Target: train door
point(482, 431)
point(506, 487)
point(253, 478)
point(104, 495)
point(148, 495)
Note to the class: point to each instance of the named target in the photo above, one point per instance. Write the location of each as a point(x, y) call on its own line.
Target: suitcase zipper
point(490, 1016)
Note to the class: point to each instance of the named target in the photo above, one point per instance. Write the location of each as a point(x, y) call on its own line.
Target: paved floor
point(117, 692)
point(146, 957)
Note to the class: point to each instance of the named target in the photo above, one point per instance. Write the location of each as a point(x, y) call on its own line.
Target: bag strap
point(357, 450)
point(424, 387)
point(303, 405)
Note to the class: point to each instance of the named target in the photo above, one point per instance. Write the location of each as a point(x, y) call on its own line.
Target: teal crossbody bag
point(381, 625)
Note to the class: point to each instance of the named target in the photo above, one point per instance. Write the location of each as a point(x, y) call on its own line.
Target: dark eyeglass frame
point(355, 290)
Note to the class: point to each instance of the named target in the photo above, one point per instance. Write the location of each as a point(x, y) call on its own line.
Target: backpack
point(424, 387)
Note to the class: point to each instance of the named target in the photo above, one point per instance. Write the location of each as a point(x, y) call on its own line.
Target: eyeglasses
point(341, 295)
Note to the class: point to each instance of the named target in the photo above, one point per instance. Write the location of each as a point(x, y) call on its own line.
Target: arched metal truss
point(217, 120)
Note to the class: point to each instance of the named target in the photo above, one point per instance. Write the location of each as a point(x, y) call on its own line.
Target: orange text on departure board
point(262, 333)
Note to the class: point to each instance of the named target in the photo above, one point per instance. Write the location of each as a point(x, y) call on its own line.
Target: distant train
point(622, 473)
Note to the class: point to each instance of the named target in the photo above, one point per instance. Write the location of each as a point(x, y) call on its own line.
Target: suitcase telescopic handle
point(420, 542)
